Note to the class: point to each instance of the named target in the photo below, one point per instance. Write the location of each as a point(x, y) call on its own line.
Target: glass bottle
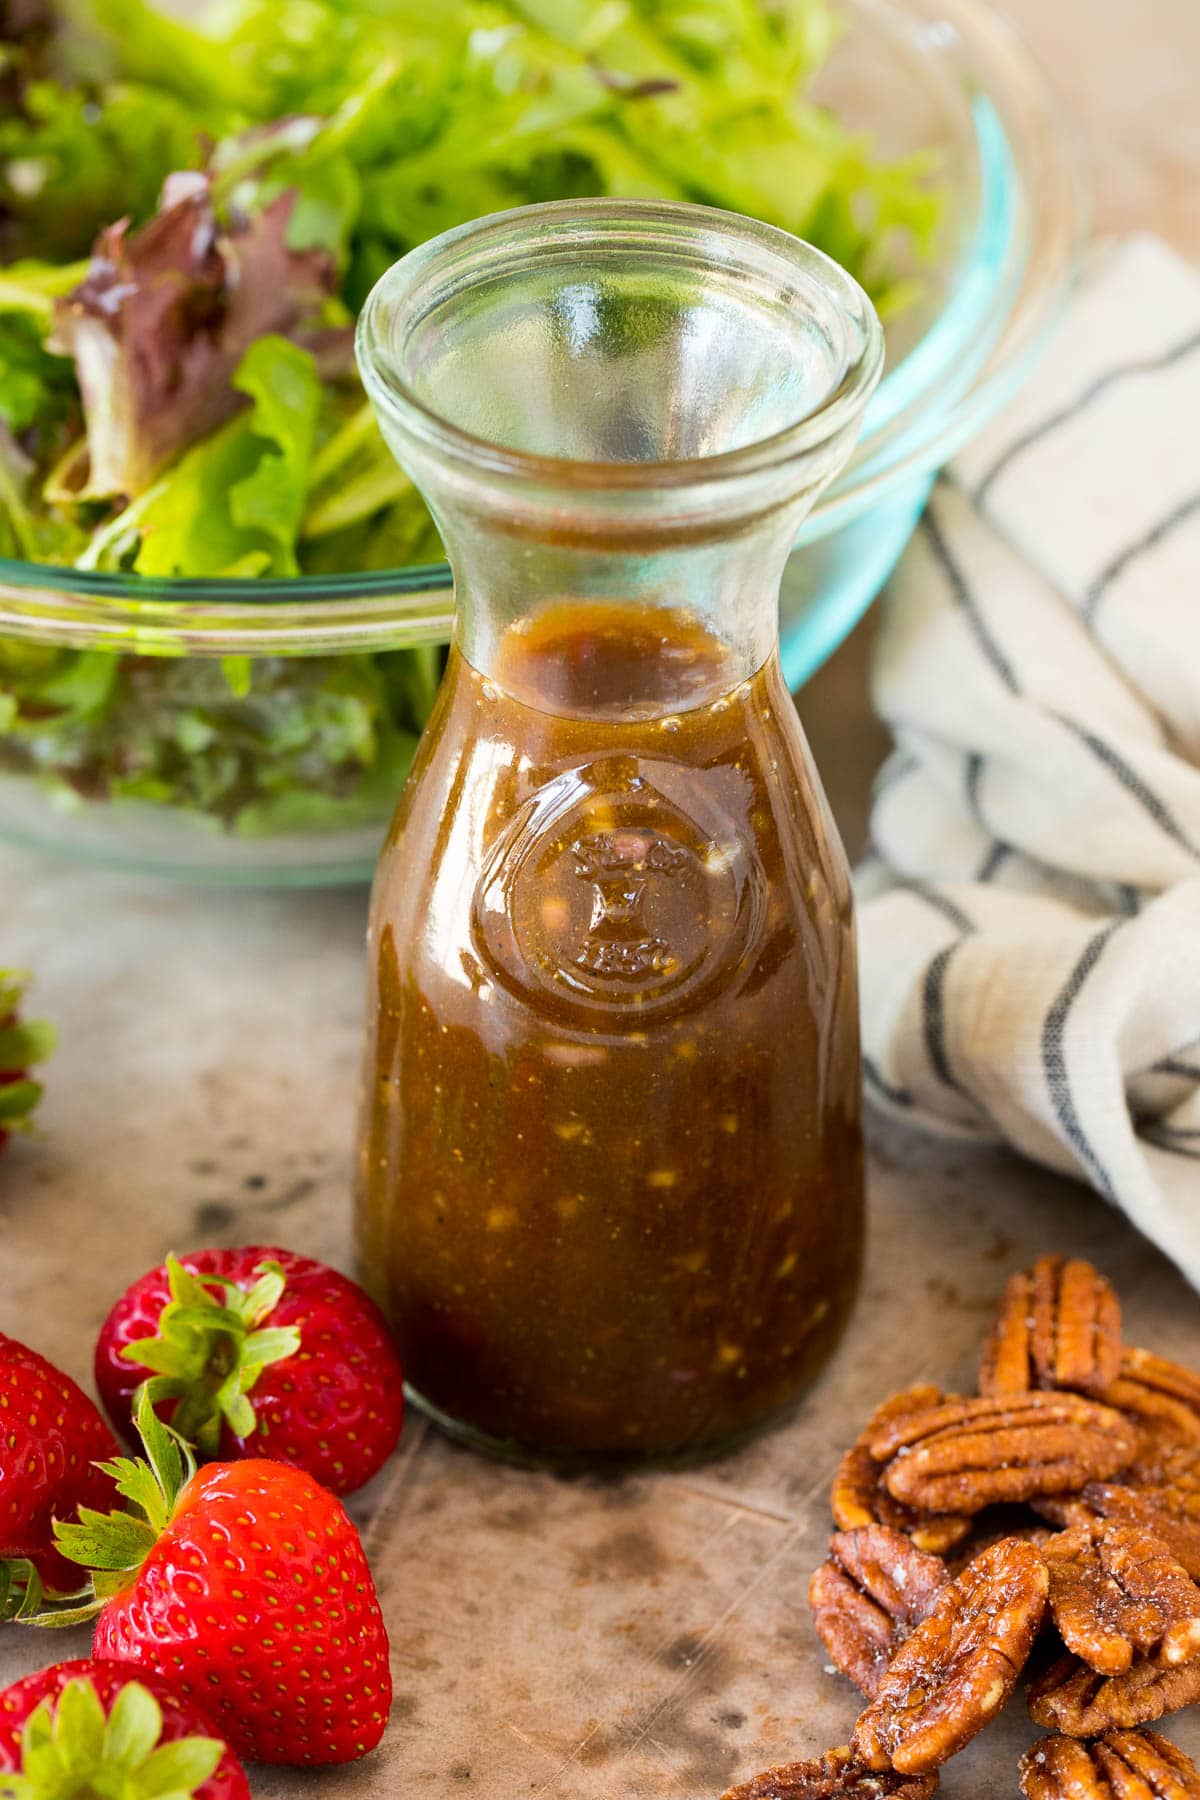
point(610, 1188)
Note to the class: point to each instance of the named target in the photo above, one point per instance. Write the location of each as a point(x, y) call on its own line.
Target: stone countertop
point(577, 1639)
point(570, 1639)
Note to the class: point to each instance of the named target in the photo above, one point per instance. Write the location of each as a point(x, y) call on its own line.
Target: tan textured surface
point(580, 1641)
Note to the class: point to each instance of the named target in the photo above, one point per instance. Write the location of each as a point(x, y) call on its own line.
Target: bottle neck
point(717, 592)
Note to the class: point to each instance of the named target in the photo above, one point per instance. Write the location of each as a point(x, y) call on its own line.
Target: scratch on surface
point(530, 1743)
point(710, 1638)
point(548, 1786)
point(772, 1515)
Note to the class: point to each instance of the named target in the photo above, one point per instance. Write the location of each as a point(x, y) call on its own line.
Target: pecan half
point(859, 1497)
point(1071, 1697)
point(968, 1454)
point(1162, 1396)
point(1171, 1513)
point(1124, 1765)
point(959, 1667)
point(1059, 1326)
point(1163, 1462)
point(1116, 1593)
point(834, 1776)
point(866, 1599)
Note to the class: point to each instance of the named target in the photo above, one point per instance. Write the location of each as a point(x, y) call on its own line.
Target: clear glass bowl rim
point(389, 608)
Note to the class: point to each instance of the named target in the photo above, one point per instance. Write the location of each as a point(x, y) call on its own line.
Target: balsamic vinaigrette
point(611, 1168)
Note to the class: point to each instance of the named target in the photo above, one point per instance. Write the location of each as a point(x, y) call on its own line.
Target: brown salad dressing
point(611, 1170)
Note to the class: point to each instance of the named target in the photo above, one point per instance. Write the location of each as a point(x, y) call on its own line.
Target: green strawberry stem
point(113, 1546)
point(211, 1348)
point(71, 1751)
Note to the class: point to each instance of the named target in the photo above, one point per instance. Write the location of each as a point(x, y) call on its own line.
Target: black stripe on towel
point(1110, 378)
point(1175, 1065)
point(1131, 781)
point(953, 915)
point(1054, 1061)
point(933, 1016)
point(896, 1096)
point(993, 862)
point(973, 775)
point(1120, 562)
point(900, 764)
point(1179, 1143)
point(966, 601)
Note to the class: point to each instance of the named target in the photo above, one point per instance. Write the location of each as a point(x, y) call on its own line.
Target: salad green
point(191, 212)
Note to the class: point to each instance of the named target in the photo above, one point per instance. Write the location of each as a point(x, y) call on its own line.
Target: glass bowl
point(948, 76)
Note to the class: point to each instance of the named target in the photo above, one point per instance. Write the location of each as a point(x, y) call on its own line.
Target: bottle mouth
point(619, 345)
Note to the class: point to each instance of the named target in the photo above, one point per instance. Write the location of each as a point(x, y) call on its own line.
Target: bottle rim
point(698, 237)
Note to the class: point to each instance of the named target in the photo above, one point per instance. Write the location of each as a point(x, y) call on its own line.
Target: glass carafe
point(610, 1189)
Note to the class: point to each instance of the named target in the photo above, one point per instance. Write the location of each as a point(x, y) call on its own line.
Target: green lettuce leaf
point(233, 504)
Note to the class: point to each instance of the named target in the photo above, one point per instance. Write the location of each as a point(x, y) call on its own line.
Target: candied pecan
point(1063, 1510)
point(1059, 1326)
point(1171, 1513)
point(1165, 1462)
point(859, 1497)
point(1124, 1765)
point(1071, 1697)
point(968, 1454)
point(1162, 1396)
point(959, 1667)
point(1116, 1592)
point(865, 1600)
point(834, 1776)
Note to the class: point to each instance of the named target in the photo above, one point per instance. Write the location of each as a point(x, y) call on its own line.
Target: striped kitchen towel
point(1030, 917)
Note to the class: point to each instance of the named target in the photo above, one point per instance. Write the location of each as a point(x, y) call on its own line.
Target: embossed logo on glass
point(603, 893)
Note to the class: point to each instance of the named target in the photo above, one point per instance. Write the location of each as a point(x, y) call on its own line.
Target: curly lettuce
point(193, 207)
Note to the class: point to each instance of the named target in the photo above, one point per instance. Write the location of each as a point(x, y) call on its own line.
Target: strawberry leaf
point(25, 1601)
point(134, 1727)
point(210, 1350)
point(17, 1101)
point(70, 1751)
point(179, 1768)
point(26, 1041)
point(113, 1546)
point(105, 1541)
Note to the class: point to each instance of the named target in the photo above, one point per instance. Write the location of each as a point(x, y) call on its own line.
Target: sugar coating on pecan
point(1162, 1396)
point(959, 1667)
point(1171, 1513)
point(866, 1599)
point(858, 1497)
point(967, 1454)
point(1165, 1462)
point(1073, 1698)
point(1124, 1765)
point(1058, 1326)
point(1117, 1593)
point(834, 1776)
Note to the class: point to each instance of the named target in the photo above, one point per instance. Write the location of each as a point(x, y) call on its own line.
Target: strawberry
point(21, 1045)
point(245, 1585)
point(105, 1728)
point(51, 1436)
point(213, 1329)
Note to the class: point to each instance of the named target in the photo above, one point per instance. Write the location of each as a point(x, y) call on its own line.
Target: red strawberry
point(21, 1045)
point(83, 1728)
point(245, 1586)
point(51, 1437)
point(222, 1325)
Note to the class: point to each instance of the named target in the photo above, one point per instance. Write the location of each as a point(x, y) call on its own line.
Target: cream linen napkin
point(1030, 920)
